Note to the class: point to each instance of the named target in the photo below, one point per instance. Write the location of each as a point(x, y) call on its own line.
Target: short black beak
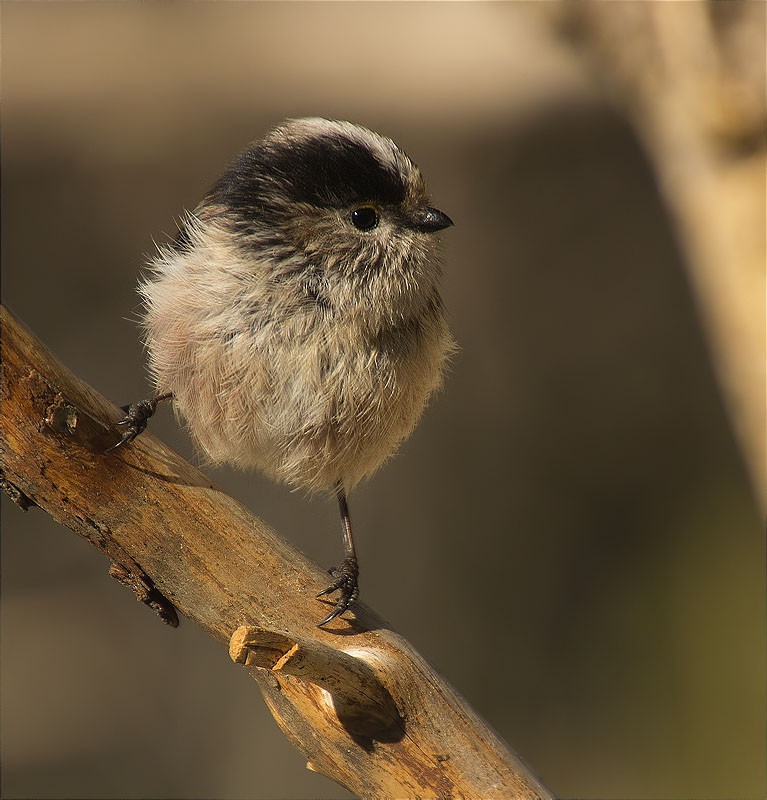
point(429, 220)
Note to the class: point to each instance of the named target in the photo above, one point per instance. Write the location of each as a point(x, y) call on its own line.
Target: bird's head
point(339, 204)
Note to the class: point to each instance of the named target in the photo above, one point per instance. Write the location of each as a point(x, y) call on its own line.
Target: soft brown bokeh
point(569, 536)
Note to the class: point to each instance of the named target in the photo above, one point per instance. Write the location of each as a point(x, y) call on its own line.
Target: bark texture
point(355, 697)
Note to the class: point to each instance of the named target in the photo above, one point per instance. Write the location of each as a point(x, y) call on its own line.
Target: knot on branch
point(13, 491)
point(74, 424)
point(146, 592)
point(347, 685)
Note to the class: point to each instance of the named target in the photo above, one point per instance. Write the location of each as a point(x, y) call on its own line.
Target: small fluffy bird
point(296, 321)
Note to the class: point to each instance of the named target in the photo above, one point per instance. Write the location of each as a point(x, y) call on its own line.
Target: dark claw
point(127, 437)
point(346, 581)
point(136, 417)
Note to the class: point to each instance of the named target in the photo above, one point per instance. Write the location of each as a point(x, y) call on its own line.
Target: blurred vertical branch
point(691, 78)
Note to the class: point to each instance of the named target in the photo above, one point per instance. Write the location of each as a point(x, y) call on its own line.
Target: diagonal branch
point(365, 709)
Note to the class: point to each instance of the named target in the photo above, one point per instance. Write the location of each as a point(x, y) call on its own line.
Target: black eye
point(365, 218)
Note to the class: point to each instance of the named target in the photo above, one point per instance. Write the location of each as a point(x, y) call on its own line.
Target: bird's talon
point(346, 581)
point(134, 422)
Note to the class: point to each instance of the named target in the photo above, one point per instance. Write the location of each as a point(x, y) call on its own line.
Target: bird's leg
point(136, 417)
point(346, 574)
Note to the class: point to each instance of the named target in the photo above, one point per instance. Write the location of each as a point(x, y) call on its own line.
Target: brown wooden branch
point(355, 697)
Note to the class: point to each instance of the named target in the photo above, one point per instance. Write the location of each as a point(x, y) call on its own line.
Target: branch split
point(348, 684)
point(359, 702)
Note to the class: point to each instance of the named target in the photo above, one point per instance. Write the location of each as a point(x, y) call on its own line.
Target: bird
point(296, 321)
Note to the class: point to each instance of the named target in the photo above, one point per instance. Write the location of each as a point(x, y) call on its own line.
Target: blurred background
point(573, 535)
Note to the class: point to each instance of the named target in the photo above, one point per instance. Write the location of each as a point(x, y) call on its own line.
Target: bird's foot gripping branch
point(358, 701)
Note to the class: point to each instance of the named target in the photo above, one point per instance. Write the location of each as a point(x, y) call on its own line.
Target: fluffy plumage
point(292, 341)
